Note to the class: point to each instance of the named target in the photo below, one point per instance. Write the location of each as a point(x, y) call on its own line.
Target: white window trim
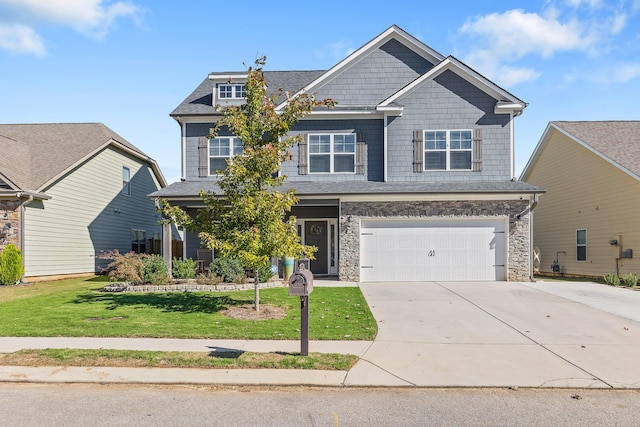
point(126, 184)
point(582, 244)
point(448, 150)
point(231, 155)
point(331, 153)
point(234, 90)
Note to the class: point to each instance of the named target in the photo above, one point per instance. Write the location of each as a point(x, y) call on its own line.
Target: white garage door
point(430, 250)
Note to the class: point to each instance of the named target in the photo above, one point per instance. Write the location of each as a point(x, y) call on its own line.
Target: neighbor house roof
point(616, 141)
point(34, 155)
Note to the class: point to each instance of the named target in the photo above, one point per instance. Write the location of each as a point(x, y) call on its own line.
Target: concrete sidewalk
point(467, 334)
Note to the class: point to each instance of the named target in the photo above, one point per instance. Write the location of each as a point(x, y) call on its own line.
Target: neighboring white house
point(69, 191)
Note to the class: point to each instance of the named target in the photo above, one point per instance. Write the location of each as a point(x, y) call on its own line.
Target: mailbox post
point(301, 284)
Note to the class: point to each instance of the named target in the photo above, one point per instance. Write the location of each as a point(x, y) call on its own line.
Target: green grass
point(172, 359)
point(77, 308)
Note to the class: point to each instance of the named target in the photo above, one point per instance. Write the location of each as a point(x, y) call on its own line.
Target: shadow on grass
point(181, 302)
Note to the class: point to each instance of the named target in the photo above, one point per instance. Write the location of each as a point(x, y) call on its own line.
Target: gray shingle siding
point(449, 102)
point(377, 76)
point(373, 134)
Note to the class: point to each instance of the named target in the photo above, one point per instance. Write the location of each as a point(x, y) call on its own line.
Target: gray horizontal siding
point(87, 213)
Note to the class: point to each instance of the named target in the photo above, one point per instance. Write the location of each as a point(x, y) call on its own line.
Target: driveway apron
point(495, 334)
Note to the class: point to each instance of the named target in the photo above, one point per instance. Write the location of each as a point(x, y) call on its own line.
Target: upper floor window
point(126, 181)
point(332, 153)
point(581, 245)
point(221, 149)
point(231, 91)
point(448, 149)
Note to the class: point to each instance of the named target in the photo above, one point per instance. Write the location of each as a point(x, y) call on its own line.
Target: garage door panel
point(415, 250)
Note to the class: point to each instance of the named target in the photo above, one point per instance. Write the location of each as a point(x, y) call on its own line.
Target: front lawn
point(77, 308)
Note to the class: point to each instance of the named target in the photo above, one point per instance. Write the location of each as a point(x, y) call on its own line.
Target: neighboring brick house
point(409, 178)
point(68, 191)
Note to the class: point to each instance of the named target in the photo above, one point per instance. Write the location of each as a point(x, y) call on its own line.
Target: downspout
point(385, 159)
point(531, 208)
point(22, 221)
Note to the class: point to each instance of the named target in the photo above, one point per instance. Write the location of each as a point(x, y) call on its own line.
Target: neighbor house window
point(231, 91)
point(332, 153)
point(126, 181)
point(138, 239)
point(581, 245)
point(448, 149)
point(221, 149)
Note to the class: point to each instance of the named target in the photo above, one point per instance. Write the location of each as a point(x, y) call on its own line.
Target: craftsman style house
point(409, 178)
point(71, 190)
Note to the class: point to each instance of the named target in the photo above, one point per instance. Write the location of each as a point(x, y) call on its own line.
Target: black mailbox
point(301, 283)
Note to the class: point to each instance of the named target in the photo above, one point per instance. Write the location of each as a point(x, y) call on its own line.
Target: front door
point(315, 234)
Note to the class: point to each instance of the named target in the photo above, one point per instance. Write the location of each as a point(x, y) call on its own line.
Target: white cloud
point(517, 33)
point(93, 18)
point(511, 76)
point(625, 73)
point(591, 3)
point(18, 38)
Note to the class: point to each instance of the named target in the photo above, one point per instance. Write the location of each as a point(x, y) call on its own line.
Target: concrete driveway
point(494, 334)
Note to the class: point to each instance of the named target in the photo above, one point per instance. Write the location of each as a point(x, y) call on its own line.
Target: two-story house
point(409, 178)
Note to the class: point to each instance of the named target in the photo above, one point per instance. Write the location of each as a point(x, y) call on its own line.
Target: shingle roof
point(201, 99)
point(33, 154)
point(619, 141)
point(191, 189)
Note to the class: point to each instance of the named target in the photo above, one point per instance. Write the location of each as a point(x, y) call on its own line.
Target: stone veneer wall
point(9, 222)
point(518, 244)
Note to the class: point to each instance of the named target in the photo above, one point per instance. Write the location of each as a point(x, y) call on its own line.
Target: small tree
point(248, 222)
point(11, 268)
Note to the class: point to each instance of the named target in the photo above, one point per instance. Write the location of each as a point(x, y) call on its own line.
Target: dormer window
point(231, 91)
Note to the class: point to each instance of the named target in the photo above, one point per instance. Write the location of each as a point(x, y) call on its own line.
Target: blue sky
point(128, 64)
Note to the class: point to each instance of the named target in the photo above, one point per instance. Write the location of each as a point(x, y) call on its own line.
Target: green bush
point(228, 269)
point(155, 270)
point(630, 279)
point(11, 269)
point(264, 273)
point(611, 279)
point(184, 268)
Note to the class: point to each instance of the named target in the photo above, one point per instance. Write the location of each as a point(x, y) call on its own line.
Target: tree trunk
point(256, 292)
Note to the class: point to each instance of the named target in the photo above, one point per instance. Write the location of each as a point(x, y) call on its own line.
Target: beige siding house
point(69, 191)
point(587, 224)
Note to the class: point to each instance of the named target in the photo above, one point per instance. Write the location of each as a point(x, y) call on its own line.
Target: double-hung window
point(231, 91)
point(581, 245)
point(221, 149)
point(138, 241)
point(332, 153)
point(447, 150)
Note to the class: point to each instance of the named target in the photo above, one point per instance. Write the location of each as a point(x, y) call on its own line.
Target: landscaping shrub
point(208, 279)
point(124, 268)
point(630, 279)
point(184, 268)
point(10, 265)
point(155, 270)
point(228, 269)
point(264, 273)
point(611, 279)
